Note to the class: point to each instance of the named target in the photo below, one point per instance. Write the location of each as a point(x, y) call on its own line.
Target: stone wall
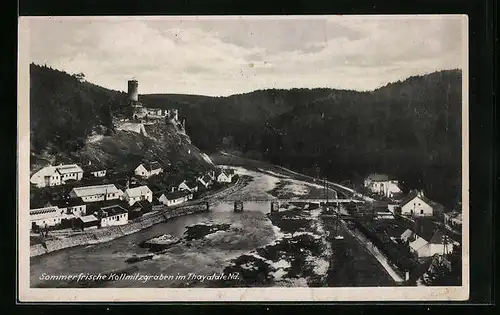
point(95, 236)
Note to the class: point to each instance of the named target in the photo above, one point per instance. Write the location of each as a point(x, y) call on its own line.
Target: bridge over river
point(276, 203)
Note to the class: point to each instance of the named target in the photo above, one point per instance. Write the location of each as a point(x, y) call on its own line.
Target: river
point(249, 230)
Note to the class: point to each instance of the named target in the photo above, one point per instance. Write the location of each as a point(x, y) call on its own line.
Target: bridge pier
point(238, 206)
point(275, 206)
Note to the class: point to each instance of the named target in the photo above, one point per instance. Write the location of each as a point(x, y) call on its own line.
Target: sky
point(220, 56)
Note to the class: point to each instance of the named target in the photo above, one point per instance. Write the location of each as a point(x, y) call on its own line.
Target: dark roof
point(143, 204)
point(229, 171)
point(435, 205)
point(425, 228)
point(438, 238)
point(177, 194)
point(112, 210)
point(152, 166)
point(62, 203)
point(206, 178)
point(191, 183)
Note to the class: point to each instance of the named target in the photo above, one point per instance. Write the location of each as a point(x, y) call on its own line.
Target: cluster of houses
point(426, 238)
point(415, 204)
point(107, 205)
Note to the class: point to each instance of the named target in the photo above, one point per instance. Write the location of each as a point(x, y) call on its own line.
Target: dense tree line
point(65, 109)
point(409, 129)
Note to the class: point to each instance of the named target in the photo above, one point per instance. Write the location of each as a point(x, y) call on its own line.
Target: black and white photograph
point(246, 158)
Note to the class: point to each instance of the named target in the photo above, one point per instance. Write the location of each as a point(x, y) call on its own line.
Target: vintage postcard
point(243, 158)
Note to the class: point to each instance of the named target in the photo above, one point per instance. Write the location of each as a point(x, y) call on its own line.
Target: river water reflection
point(249, 229)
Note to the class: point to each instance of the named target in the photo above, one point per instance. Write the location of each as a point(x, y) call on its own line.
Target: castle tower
point(133, 91)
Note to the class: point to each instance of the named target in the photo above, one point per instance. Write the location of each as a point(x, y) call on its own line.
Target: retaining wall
point(95, 236)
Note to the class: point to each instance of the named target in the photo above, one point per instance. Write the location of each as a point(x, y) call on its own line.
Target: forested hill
point(65, 109)
point(73, 121)
point(409, 129)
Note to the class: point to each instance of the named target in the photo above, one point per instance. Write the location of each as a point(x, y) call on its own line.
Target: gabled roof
point(435, 205)
point(63, 203)
point(138, 191)
point(438, 238)
point(206, 178)
point(407, 234)
point(112, 210)
point(377, 177)
point(144, 204)
point(46, 171)
point(95, 190)
point(418, 243)
point(176, 194)
point(223, 171)
point(70, 168)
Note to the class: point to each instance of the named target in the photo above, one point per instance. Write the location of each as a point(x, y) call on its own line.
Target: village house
point(205, 181)
point(48, 216)
point(94, 207)
point(132, 195)
point(188, 185)
point(112, 216)
point(224, 176)
point(73, 206)
point(426, 240)
point(175, 198)
point(382, 185)
point(417, 205)
point(95, 170)
point(95, 193)
point(146, 170)
point(139, 208)
point(56, 175)
point(87, 221)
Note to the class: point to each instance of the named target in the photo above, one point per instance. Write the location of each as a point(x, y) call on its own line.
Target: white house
point(56, 175)
point(47, 176)
point(189, 186)
point(112, 215)
point(132, 195)
point(224, 177)
point(439, 244)
point(70, 172)
point(100, 173)
point(147, 170)
point(382, 185)
point(73, 206)
point(419, 206)
point(176, 197)
point(48, 216)
point(95, 193)
point(205, 181)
